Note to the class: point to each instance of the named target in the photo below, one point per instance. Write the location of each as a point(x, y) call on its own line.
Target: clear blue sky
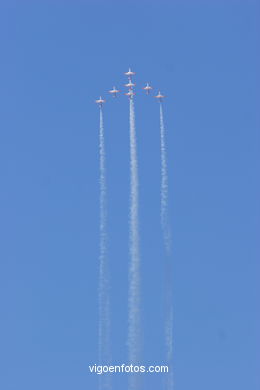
point(56, 58)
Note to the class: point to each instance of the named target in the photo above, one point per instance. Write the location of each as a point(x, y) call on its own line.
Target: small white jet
point(147, 88)
point(100, 101)
point(130, 85)
point(130, 93)
point(159, 96)
point(114, 91)
point(129, 73)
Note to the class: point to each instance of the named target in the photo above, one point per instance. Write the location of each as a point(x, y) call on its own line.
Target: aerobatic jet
point(100, 101)
point(130, 93)
point(159, 96)
point(130, 85)
point(114, 91)
point(129, 73)
point(147, 88)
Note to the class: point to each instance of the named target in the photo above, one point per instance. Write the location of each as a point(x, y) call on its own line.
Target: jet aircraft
point(100, 101)
point(130, 93)
point(130, 85)
point(114, 91)
point(147, 88)
point(129, 73)
point(159, 96)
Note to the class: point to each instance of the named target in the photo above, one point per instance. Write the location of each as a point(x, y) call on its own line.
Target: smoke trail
point(164, 187)
point(104, 302)
point(167, 244)
point(134, 268)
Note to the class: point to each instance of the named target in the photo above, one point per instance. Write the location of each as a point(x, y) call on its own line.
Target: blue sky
point(56, 58)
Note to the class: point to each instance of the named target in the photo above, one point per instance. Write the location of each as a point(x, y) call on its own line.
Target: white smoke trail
point(164, 187)
point(134, 267)
point(167, 243)
point(104, 301)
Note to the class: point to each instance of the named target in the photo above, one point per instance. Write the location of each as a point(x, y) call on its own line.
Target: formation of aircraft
point(114, 91)
point(130, 85)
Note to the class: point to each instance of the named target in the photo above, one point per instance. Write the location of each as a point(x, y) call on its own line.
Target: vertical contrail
point(164, 187)
point(167, 244)
point(134, 268)
point(104, 301)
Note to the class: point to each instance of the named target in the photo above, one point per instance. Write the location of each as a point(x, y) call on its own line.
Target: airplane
point(100, 101)
point(129, 73)
point(147, 88)
point(130, 93)
point(130, 84)
point(159, 96)
point(114, 91)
